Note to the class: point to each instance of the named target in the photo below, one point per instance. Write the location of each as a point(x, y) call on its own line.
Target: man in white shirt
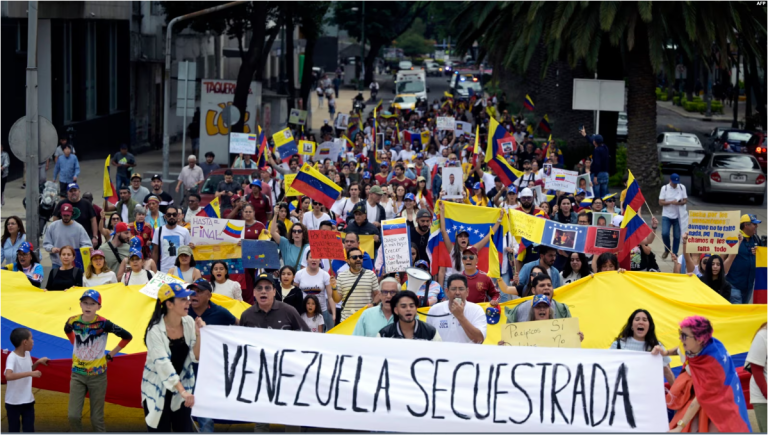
point(455, 319)
point(191, 176)
point(672, 198)
point(168, 239)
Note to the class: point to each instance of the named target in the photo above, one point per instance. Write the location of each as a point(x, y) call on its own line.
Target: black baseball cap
point(263, 277)
point(201, 284)
point(157, 177)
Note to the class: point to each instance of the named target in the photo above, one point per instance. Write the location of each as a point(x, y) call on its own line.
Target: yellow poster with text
point(713, 232)
point(542, 333)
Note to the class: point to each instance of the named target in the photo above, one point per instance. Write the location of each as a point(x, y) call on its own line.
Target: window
point(67, 70)
point(112, 67)
point(735, 161)
point(90, 70)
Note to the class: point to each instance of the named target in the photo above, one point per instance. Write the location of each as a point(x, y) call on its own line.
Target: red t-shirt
point(481, 288)
point(407, 183)
point(251, 233)
point(381, 179)
point(261, 207)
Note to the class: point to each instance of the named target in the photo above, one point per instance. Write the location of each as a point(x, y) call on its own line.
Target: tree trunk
point(250, 63)
point(306, 74)
point(376, 45)
point(267, 48)
point(609, 67)
point(290, 61)
point(759, 92)
point(642, 156)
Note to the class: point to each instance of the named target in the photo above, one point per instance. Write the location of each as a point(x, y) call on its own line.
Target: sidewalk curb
point(688, 115)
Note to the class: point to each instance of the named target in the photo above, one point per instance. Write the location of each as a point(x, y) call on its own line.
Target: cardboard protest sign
point(713, 232)
point(542, 333)
point(212, 231)
point(562, 180)
point(328, 150)
point(259, 254)
point(342, 120)
point(462, 127)
point(327, 245)
point(157, 281)
point(396, 245)
point(307, 148)
point(297, 117)
point(244, 143)
point(288, 180)
point(285, 145)
point(400, 385)
point(445, 122)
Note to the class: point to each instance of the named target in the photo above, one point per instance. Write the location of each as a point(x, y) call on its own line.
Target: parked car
point(682, 150)
point(715, 135)
point(208, 191)
point(756, 147)
point(432, 68)
point(404, 65)
point(731, 141)
point(622, 131)
point(731, 173)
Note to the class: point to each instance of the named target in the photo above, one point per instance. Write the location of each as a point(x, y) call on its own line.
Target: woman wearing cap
point(154, 218)
point(13, 236)
point(97, 272)
point(462, 243)
point(173, 344)
point(184, 267)
point(480, 198)
point(137, 272)
point(113, 220)
point(541, 309)
point(639, 334)
point(410, 209)
point(66, 276)
point(27, 262)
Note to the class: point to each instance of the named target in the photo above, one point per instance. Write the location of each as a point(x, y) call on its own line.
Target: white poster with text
point(213, 231)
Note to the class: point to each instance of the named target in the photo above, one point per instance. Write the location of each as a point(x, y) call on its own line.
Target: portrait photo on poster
point(564, 238)
point(453, 183)
point(607, 238)
point(585, 182)
point(602, 219)
point(547, 170)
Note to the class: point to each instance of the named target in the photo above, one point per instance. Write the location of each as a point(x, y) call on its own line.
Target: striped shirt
point(362, 295)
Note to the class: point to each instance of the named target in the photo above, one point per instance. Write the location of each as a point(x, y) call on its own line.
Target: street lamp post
point(362, 49)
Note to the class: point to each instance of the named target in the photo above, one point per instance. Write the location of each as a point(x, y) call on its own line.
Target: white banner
point(560, 179)
point(242, 143)
point(396, 245)
point(462, 127)
point(362, 383)
point(151, 288)
point(213, 231)
point(328, 150)
point(445, 123)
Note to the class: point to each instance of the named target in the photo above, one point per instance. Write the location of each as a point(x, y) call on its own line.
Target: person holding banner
point(27, 263)
point(714, 275)
point(173, 344)
point(639, 334)
point(66, 275)
point(743, 270)
point(405, 322)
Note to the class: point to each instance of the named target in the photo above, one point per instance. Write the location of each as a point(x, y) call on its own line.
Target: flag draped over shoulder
point(494, 155)
point(477, 222)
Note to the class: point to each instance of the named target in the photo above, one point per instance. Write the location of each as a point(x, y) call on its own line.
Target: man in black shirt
point(226, 189)
point(420, 233)
point(360, 225)
point(157, 190)
point(84, 213)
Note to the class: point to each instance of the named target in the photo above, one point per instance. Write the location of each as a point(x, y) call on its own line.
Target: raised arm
point(446, 238)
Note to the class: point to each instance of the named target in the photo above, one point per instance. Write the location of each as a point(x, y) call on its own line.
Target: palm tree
point(574, 31)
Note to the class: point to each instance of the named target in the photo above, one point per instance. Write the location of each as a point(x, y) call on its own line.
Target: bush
point(717, 107)
point(676, 101)
point(621, 167)
point(662, 97)
point(701, 107)
point(689, 106)
point(697, 99)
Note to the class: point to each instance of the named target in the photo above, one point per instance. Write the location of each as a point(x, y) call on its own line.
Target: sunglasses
point(263, 288)
point(171, 214)
point(468, 257)
point(355, 257)
point(297, 231)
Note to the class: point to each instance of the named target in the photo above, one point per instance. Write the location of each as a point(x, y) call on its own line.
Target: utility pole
point(33, 130)
point(167, 75)
point(362, 49)
point(735, 89)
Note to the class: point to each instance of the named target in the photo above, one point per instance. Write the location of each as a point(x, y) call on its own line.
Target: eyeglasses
point(468, 257)
point(171, 214)
point(355, 257)
point(684, 336)
point(263, 288)
point(389, 292)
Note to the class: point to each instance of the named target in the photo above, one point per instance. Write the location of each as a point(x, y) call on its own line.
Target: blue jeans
point(121, 181)
point(206, 424)
point(328, 320)
point(601, 188)
point(736, 296)
point(666, 225)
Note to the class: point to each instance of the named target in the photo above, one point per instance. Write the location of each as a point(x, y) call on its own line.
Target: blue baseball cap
point(136, 252)
point(419, 156)
point(387, 142)
point(410, 197)
point(25, 247)
point(581, 192)
point(256, 183)
point(744, 218)
point(540, 299)
point(93, 294)
point(477, 186)
point(422, 263)
point(512, 188)
point(384, 165)
point(173, 290)
point(492, 315)
point(597, 138)
point(366, 175)
point(674, 178)
point(71, 186)
point(135, 243)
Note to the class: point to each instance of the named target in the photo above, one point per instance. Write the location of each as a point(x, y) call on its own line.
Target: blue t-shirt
point(214, 315)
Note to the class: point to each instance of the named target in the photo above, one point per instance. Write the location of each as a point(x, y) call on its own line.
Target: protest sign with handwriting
point(369, 384)
point(396, 245)
point(542, 333)
point(445, 122)
point(157, 281)
point(713, 232)
point(212, 231)
point(328, 245)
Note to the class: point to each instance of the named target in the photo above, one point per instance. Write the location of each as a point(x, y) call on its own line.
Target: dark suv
point(756, 147)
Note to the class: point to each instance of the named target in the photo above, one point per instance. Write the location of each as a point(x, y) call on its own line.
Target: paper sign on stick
point(542, 333)
point(713, 232)
point(327, 245)
point(242, 143)
point(288, 180)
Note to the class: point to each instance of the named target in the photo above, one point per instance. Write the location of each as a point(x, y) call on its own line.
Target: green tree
point(384, 23)
point(412, 41)
point(575, 31)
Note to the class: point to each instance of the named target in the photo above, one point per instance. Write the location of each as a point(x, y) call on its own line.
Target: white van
point(411, 82)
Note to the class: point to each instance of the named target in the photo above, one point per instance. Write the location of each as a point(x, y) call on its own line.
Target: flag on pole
point(544, 124)
point(528, 103)
point(109, 189)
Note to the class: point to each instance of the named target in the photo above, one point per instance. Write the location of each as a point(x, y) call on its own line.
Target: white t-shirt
point(667, 193)
point(124, 213)
point(19, 392)
point(573, 276)
point(343, 207)
point(757, 355)
point(173, 239)
point(489, 182)
point(312, 222)
point(406, 155)
point(314, 322)
point(100, 279)
point(137, 278)
point(314, 285)
point(324, 264)
point(449, 328)
point(228, 288)
point(372, 212)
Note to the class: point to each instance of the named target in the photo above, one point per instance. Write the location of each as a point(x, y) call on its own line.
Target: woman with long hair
point(565, 214)
point(13, 236)
point(97, 272)
point(607, 262)
point(66, 276)
point(387, 202)
point(173, 344)
point(576, 268)
point(106, 232)
point(27, 262)
point(758, 361)
point(424, 194)
point(221, 283)
point(288, 292)
point(714, 275)
point(398, 199)
point(410, 209)
point(462, 243)
point(283, 215)
point(708, 391)
point(526, 288)
point(639, 334)
point(292, 247)
point(184, 267)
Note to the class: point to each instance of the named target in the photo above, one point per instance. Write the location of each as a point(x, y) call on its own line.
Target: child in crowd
point(312, 315)
point(88, 333)
point(221, 283)
point(19, 371)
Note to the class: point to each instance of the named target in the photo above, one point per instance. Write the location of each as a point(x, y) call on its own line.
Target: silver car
point(622, 129)
point(682, 150)
point(731, 173)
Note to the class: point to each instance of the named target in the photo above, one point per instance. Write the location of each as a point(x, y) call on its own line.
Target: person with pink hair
point(719, 399)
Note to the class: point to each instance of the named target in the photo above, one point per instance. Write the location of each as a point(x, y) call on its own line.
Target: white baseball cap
point(526, 193)
point(617, 220)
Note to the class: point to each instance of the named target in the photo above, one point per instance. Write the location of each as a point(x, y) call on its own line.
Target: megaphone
point(416, 277)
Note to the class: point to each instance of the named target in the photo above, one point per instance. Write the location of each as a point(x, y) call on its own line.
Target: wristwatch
point(680, 423)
